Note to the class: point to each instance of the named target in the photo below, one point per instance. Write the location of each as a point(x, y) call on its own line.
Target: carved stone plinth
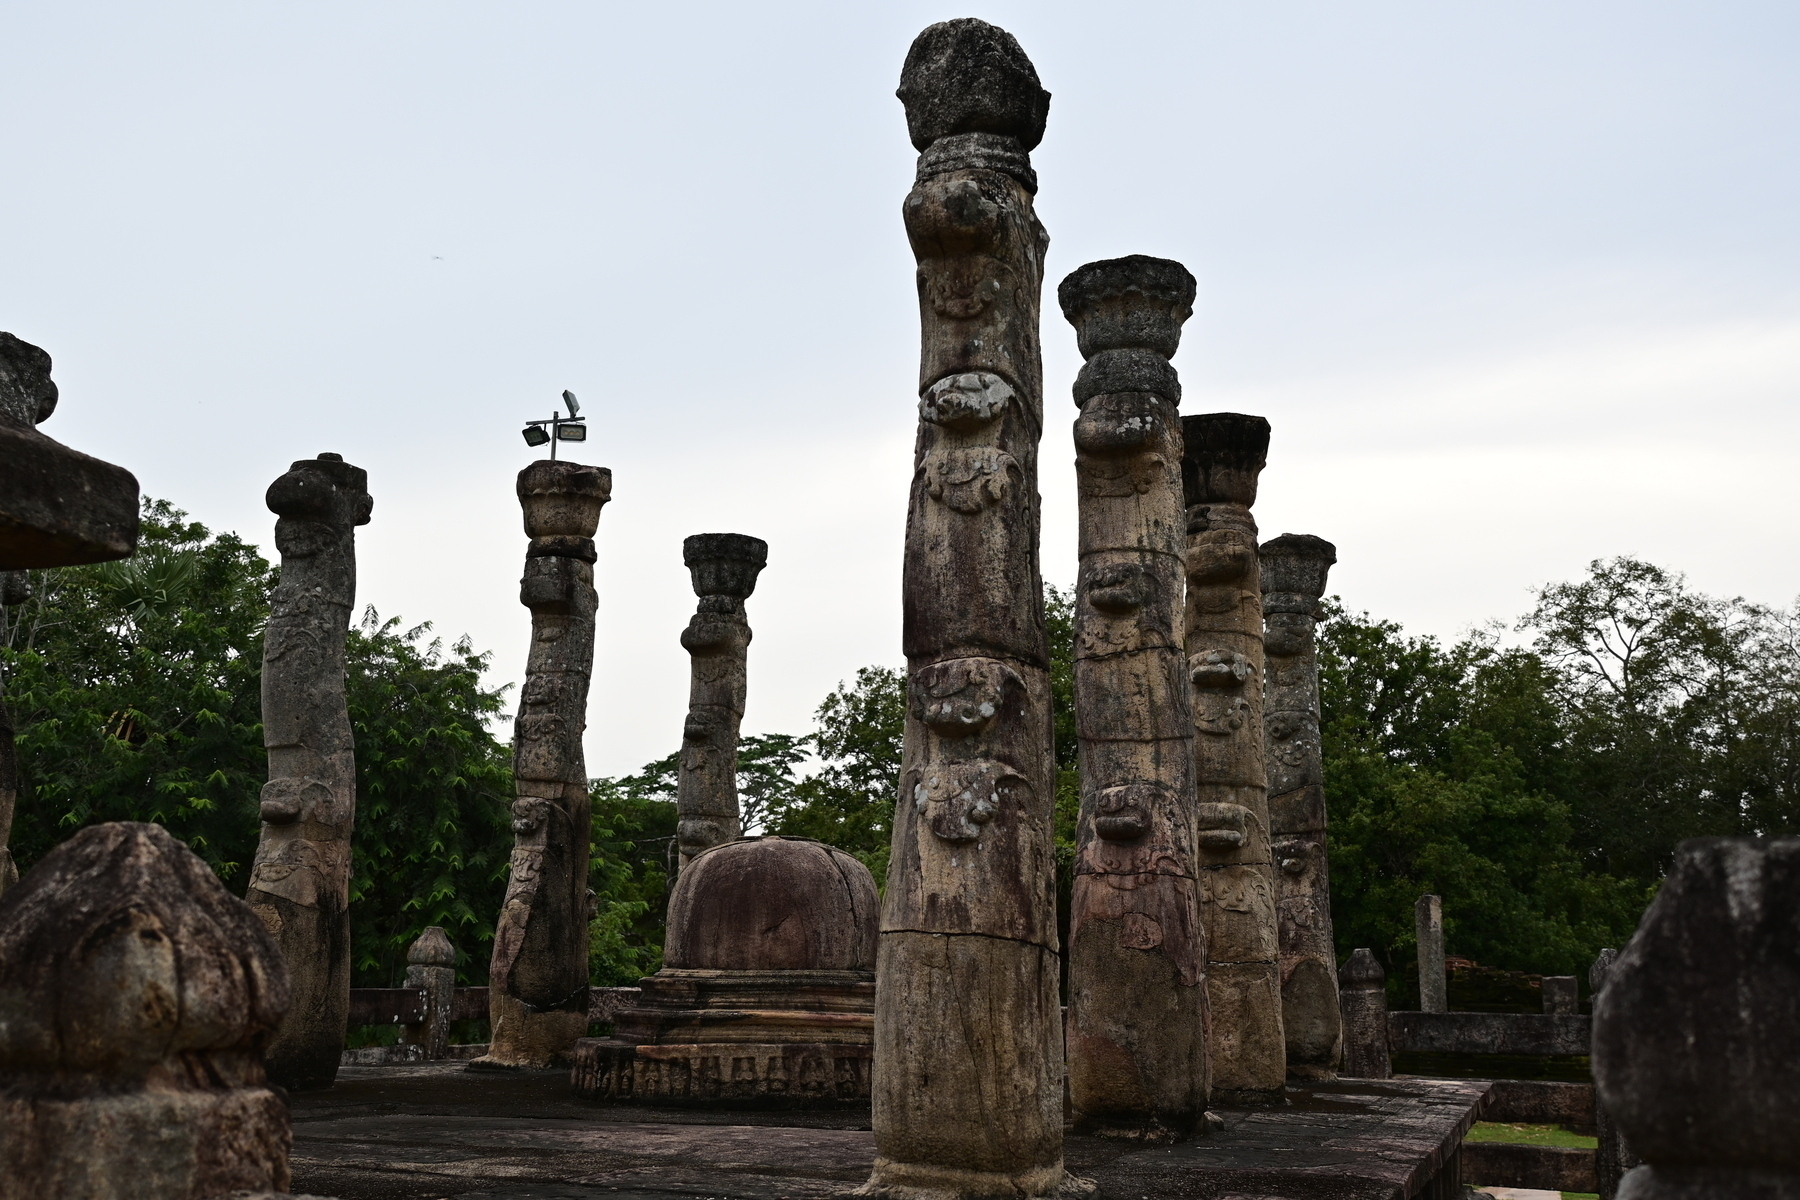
point(1223, 453)
point(58, 507)
point(969, 1048)
point(538, 976)
point(300, 879)
point(1294, 570)
point(1137, 1027)
point(1362, 1001)
point(724, 568)
point(136, 996)
point(1697, 1029)
point(767, 997)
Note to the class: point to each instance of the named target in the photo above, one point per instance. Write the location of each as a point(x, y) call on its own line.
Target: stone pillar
point(1294, 570)
point(1561, 998)
point(724, 567)
point(431, 967)
point(1222, 456)
point(14, 590)
point(58, 507)
point(967, 1094)
point(137, 995)
point(1697, 1030)
point(1362, 998)
point(1612, 1157)
point(1137, 953)
point(300, 879)
point(538, 978)
point(1428, 927)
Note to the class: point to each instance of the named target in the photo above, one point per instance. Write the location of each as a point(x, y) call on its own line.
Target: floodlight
point(536, 435)
point(571, 433)
point(574, 405)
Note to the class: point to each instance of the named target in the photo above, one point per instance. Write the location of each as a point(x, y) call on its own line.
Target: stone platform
point(431, 1131)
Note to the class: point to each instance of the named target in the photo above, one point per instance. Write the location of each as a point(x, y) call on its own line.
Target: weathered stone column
point(136, 996)
point(431, 967)
point(968, 1040)
point(1222, 456)
point(1362, 996)
point(300, 880)
point(1137, 953)
point(1428, 929)
point(724, 567)
point(1613, 1156)
point(15, 589)
point(538, 978)
point(1294, 569)
point(1697, 1030)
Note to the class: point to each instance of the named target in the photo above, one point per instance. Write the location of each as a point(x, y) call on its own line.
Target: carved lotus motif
point(285, 801)
point(1295, 855)
point(962, 290)
point(1222, 826)
point(1220, 669)
point(959, 799)
point(530, 814)
point(969, 478)
point(1121, 424)
point(1124, 813)
point(1120, 589)
point(967, 401)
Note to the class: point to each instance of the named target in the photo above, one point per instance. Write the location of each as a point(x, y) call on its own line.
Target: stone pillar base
point(144, 1143)
point(522, 1039)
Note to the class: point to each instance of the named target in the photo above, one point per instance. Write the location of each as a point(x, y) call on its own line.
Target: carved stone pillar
point(15, 589)
point(1613, 1157)
point(1697, 1030)
point(538, 977)
point(1222, 456)
point(1428, 933)
point(967, 1093)
point(724, 568)
point(431, 967)
point(1137, 954)
point(137, 995)
point(1294, 569)
point(300, 880)
point(1362, 997)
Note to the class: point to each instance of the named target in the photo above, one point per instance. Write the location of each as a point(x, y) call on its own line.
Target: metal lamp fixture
point(558, 428)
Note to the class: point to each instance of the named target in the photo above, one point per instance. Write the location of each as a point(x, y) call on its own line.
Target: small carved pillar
point(1561, 998)
point(538, 977)
point(136, 996)
point(1362, 998)
point(1612, 1157)
point(1222, 456)
point(967, 1094)
point(300, 881)
point(1294, 570)
point(15, 589)
point(1697, 1030)
point(724, 567)
point(1137, 954)
point(1428, 928)
point(431, 967)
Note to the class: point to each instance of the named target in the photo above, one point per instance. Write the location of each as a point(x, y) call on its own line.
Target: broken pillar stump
point(1362, 1001)
point(1428, 929)
point(136, 998)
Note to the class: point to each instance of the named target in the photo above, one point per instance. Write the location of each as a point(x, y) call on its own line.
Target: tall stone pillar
point(300, 880)
point(1223, 453)
point(1294, 570)
point(1137, 953)
point(15, 589)
point(1428, 931)
point(724, 567)
point(538, 977)
point(967, 1093)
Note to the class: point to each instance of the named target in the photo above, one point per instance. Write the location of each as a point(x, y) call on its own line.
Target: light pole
point(571, 428)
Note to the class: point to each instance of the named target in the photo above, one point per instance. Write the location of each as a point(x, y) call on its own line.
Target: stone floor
point(432, 1131)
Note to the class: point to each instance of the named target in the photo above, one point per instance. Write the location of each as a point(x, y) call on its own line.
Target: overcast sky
point(1515, 283)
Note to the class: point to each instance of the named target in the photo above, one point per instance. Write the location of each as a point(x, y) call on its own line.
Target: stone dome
point(773, 904)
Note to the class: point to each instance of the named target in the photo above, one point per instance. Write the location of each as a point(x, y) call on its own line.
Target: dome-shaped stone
point(773, 904)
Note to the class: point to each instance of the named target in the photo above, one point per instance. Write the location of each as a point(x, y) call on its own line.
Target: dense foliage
point(136, 689)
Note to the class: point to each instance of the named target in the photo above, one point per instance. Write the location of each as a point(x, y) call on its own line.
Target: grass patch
point(1530, 1135)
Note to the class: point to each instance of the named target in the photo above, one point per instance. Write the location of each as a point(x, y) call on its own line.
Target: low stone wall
point(738, 1074)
